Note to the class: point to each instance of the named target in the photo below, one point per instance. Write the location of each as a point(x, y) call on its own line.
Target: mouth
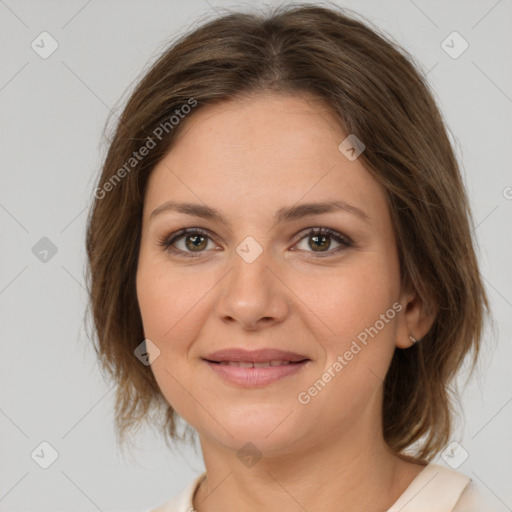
point(262, 355)
point(250, 374)
point(249, 364)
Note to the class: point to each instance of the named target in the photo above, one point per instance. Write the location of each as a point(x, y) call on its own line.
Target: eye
point(186, 242)
point(319, 240)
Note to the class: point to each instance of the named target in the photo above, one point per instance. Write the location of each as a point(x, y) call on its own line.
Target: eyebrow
point(283, 214)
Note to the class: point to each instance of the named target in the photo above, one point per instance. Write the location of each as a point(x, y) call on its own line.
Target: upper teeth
point(247, 364)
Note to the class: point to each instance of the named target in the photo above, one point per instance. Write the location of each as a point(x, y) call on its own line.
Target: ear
point(415, 319)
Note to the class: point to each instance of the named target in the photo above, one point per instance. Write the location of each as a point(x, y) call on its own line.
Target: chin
point(271, 433)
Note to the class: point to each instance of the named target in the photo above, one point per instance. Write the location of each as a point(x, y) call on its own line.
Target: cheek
point(355, 305)
point(352, 297)
point(358, 322)
point(171, 301)
point(171, 305)
point(175, 304)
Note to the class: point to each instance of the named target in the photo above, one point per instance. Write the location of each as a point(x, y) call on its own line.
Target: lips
point(248, 364)
point(255, 368)
point(271, 356)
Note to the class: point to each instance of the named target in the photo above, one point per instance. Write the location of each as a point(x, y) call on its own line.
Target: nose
point(252, 294)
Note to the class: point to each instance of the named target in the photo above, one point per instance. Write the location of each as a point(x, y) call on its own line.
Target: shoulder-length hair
point(377, 93)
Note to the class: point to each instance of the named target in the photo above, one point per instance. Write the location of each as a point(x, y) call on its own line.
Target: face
point(268, 273)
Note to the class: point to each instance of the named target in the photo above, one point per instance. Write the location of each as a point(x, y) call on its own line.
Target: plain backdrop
point(53, 111)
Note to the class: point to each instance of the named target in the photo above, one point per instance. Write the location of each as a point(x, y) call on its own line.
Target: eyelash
point(167, 241)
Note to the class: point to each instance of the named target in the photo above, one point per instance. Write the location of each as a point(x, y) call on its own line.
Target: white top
point(435, 489)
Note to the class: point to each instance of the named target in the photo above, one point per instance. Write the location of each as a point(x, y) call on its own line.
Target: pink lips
point(254, 356)
point(255, 368)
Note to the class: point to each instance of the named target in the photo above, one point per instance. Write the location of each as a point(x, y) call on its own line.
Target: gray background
point(53, 114)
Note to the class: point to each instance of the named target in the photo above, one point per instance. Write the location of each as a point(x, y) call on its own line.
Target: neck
point(352, 472)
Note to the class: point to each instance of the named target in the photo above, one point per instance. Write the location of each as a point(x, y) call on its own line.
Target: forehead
point(260, 153)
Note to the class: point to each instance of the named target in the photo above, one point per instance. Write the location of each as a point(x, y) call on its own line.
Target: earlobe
point(414, 322)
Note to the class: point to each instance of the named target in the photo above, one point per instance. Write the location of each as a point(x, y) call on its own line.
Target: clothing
point(435, 489)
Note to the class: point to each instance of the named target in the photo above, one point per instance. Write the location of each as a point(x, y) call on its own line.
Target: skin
point(248, 158)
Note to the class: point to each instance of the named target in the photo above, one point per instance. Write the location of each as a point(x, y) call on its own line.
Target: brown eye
point(186, 242)
point(319, 240)
point(195, 242)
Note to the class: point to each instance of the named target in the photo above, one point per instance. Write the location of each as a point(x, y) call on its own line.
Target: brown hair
point(377, 93)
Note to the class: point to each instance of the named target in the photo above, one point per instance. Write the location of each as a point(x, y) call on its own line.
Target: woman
point(280, 253)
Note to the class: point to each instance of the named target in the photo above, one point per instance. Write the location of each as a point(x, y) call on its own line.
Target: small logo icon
point(44, 45)
point(44, 250)
point(454, 45)
point(249, 455)
point(249, 249)
point(44, 455)
point(454, 454)
point(147, 352)
point(351, 147)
